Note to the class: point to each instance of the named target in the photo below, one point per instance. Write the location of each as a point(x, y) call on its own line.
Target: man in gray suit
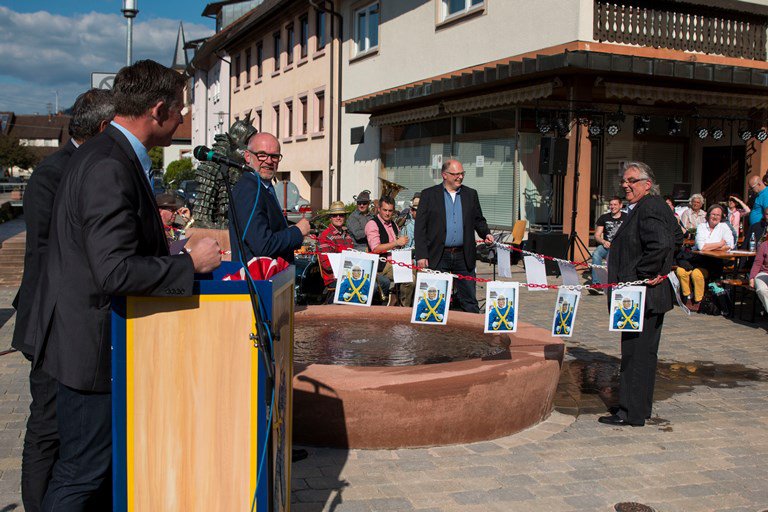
point(642, 248)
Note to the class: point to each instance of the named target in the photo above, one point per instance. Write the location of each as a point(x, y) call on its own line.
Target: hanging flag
point(627, 308)
point(501, 307)
point(433, 293)
point(568, 271)
point(564, 317)
point(505, 266)
point(402, 274)
point(356, 281)
point(535, 271)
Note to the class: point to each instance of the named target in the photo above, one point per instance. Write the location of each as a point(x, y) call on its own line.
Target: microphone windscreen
point(202, 153)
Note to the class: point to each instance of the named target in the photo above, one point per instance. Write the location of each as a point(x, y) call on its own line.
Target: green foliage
point(156, 154)
point(178, 171)
point(14, 154)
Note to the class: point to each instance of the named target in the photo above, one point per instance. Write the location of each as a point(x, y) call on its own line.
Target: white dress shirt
point(706, 235)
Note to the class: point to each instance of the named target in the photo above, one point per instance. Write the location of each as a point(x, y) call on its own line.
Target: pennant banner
point(402, 274)
point(535, 271)
point(503, 259)
point(568, 271)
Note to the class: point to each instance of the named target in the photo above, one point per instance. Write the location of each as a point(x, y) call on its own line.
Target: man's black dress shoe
point(618, 421)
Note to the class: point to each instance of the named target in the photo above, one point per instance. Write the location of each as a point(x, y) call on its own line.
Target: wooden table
point(726, 255)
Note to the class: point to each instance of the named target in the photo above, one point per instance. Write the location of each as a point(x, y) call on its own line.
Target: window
point(236, 71)
point(290, 41)
point(320, 99)
point(276, 120)
point(455, 7)
point(277, 49)
point(304, 111)
point(304, 34)
point(367, 28)
point(248, 66)
point(257, 119)
point(259, 59)
point(320, 29)
point(289, 113)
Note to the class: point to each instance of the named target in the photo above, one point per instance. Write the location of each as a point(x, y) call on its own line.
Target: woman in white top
point(694, 215)
point(713, 235)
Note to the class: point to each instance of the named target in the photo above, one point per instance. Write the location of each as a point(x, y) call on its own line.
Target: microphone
point(205, 154)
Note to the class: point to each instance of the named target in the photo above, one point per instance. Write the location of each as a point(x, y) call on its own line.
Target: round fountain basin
point(393, 384)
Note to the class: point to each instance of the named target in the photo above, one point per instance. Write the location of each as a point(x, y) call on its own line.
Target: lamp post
point(130, 10)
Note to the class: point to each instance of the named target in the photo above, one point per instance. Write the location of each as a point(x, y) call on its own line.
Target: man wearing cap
point(335, 238)
point(359, 218)
point(172, 210)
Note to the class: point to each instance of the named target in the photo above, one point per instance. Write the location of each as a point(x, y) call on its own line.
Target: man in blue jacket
point(265, 230)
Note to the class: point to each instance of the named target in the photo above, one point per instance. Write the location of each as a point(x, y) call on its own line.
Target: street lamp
point(130, 10)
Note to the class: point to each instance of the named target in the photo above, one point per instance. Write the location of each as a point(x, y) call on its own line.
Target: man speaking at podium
point(106, 239)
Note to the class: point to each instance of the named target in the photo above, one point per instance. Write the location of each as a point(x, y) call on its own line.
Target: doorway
point(315, 180)
point(722, 173)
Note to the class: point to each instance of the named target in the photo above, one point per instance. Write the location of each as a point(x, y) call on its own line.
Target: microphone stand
point(260, 324)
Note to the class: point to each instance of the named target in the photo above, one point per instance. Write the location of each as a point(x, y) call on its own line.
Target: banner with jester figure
point(627, 309)
point(356, 281)
point(501, 307)
point(433, 294)
point(565, 312)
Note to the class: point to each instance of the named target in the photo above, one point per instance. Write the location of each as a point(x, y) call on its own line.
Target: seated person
point(502, 316)
point(758, 275)
point(713, 235)
point(694, 215)
point(431, 307)
point(335, 238)
point(627, 316)
point(605, 229)
point(175, 216)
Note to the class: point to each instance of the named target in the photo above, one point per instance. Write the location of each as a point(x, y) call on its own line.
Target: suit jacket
point(429, 232)
point(106, 239)
point(260, 217)
point(644, 247)
point(38, 205)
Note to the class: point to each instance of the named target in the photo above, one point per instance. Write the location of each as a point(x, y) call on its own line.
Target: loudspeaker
point(553, 155)
point(549, 244)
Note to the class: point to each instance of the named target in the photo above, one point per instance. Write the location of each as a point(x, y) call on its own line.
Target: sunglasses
point(337, 215)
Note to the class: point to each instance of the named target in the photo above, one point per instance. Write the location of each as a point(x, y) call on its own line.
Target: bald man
point(757, 186)
point(265, 230)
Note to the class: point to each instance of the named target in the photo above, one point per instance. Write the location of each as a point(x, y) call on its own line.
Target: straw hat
point(336, 208)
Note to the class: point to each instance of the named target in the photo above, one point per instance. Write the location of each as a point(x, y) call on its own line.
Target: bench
point(740, 289)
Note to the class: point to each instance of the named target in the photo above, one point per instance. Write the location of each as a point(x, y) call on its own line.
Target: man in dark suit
point(265, 230)
point(449, 215)
point(91, 113)
point(106, 238)
point(643, 248)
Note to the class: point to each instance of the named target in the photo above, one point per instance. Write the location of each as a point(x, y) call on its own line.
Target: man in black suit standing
point(91, 113)
point(449, 215)
point(106, 239)
point(265, 230)
point(642, 248)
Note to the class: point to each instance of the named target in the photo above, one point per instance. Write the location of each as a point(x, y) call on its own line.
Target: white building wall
point(210, 110)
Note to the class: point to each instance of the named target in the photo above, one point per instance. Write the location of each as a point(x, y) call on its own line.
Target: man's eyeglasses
point(631, 181)
point(263, 156)
point(455, 173)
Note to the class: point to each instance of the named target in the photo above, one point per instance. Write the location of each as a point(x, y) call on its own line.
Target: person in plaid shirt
point(335, 238)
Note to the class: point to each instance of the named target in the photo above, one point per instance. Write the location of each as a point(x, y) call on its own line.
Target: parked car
point(298, 207)
point(188, 192)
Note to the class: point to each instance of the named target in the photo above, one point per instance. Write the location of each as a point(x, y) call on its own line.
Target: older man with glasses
point(757, 186)
point(265, 230)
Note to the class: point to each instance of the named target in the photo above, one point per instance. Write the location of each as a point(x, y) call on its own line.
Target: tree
point(13, 154)
point(178, 171)
point(156, 154)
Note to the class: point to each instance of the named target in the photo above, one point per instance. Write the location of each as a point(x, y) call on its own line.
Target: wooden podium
point(190, 404)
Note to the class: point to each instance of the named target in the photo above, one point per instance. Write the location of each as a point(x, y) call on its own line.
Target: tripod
point(574, 241)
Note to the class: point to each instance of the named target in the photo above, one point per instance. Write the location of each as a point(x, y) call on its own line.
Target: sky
point(53, 46)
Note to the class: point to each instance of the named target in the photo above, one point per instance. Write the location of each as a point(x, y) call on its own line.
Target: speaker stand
point(574, 241)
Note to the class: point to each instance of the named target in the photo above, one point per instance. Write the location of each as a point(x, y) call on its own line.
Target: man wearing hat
point(335, 238)
point(172, 210)
point(410, 221)
point(359, 218)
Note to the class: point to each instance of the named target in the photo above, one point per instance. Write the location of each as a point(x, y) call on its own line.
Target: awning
point(675, 95)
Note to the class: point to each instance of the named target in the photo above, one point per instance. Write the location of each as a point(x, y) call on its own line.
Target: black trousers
point(41, 440)
point(82, 477)
point(639, 355)
point(466, 291)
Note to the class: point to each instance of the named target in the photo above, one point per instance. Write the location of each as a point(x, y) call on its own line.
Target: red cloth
point(260, 268)
point(332, 240)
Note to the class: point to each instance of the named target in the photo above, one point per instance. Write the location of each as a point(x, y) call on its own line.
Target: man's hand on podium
point(206, 255)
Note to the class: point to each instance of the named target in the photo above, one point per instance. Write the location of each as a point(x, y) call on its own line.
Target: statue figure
point(211, 202)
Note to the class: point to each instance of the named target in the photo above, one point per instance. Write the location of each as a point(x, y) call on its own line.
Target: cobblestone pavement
point(704, 449)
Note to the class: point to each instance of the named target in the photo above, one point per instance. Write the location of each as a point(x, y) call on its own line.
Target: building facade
point(679, 85)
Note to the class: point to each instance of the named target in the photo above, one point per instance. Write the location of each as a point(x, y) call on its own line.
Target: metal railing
point(666, 24)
